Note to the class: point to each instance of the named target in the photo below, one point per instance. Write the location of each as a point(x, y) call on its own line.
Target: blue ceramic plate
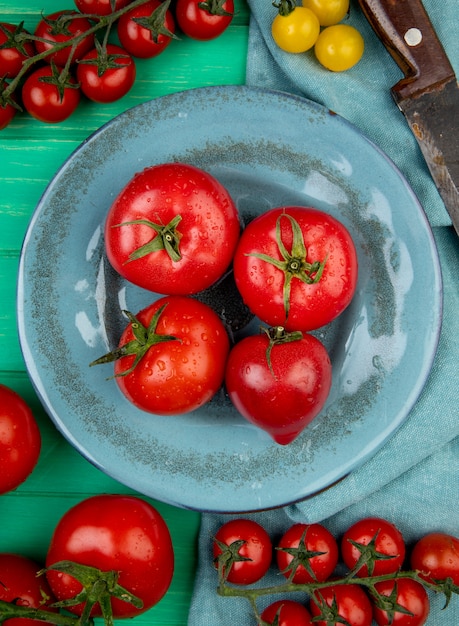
point(269, 149)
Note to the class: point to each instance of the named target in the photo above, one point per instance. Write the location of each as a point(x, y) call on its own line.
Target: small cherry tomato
point(287, 613)
point(20, 440)
point(60, 27)
point(307, 553)
point(106, 74)
point(339, 47)
point(295, 29)
point(48, 97)
point(374, 543)
point(437, 556)
point(100, 7)
point(408, 600)
point(329, 12)
point(341, 604)
point(8, 108)
point(204, 20)
point(145, 31)
point(242, 551)
point(13, 51)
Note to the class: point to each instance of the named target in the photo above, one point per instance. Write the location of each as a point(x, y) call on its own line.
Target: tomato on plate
point(61, 27)
point(287, 613)
point(173, 229)
point(307, 553)
point(242, 551)
point(296, 267)
point(47, 97)
point(171, 356)
point(329, 12)
point(339, 47)
point(372, 547)
point(21, 585)
point(20, 440)
point(279, 381)
point(106, 74)
point(100, 7)
point(13, 51)
point(402, 602)
point(146, 30)
point(113, 533)
point(341, 604)
point(436, 556)
point(295, 28)
point(204, 20)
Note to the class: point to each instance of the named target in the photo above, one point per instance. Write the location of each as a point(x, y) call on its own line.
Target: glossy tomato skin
point(410, 595)
point(257, 547)
point(387, 540)
point(282, 404)
point(7, 113)
point(137, 39)
point(75, 25)
point(99, 7)
point(114, 532)
point(261, 284)
point(309, 538)
point(199, 23)
point(208, 231)
point(20, 440)
point(43, 101)
point(19, 583)
point(114, 82)
point(436, 555)
point(288, 613)
point(11, 57)
point(352, 603)
point(180, 375)
point(297, 31)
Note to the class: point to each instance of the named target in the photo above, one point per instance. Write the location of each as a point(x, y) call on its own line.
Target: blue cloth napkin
point(414, 479)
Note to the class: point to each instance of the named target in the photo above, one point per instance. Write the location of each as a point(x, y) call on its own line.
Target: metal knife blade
point(428, 95)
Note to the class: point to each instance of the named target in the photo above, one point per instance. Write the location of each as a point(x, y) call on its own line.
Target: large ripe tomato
point(341, 604)
point(436, 555)
point(242, 551)
point(60, 27)
point(173, 229)
point(13, 51)
point(47, 98)
point(21, 585)
point(145, 31)
point(171, 356)
point(106, 74)
point(20, 440)
point(373, 546)
point(287, 613)
point(279, 381)
point(118, 533)
point(296, 267)
point(307, 553)
point(409, 600)
point(100, 7)
point(204, 20)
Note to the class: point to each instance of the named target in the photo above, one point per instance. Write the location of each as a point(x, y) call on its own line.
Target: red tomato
point(7, 106)
point(20, 584)
point(118, 533)
point(437, 556)
point(287, 613)
point(296, 267)
point(279, 385)
point(106, 74)
point(204, 20)
point(145, 31)
point(243, 550)
point(406, 594)
point(341, 604)
point(20, 440)
point(173, 229)
point(60, 27)
point(13, 52)
point(183, 349)
point(307, 553)
point(100, 7)
point(50, 102)
point(375, 544)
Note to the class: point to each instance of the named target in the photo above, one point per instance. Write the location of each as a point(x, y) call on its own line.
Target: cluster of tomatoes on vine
point(351, 581)
point(91, 50)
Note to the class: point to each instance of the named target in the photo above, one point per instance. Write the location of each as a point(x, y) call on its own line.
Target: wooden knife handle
point(407, 33)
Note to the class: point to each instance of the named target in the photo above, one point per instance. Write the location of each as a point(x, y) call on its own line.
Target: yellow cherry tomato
point(339, 47)
point(329, 12)
point(297, 31)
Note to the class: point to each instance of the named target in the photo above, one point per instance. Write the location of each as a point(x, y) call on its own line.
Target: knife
point(428, 95)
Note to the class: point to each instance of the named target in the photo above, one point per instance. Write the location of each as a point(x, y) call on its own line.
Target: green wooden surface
point(30, 154)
